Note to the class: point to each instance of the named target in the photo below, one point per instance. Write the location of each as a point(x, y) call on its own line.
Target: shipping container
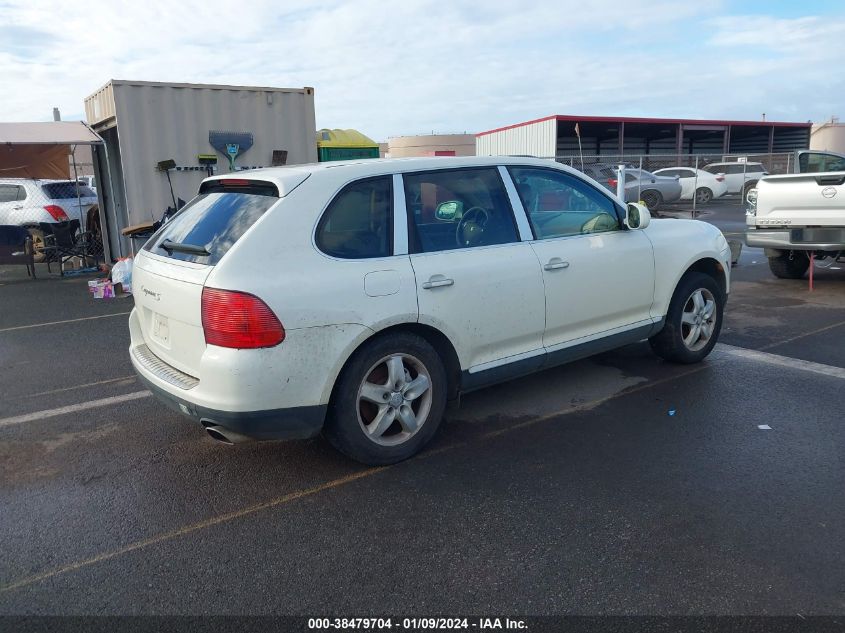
point(188, 126)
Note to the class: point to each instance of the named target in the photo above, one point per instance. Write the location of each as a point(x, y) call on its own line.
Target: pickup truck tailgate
point(801, 200)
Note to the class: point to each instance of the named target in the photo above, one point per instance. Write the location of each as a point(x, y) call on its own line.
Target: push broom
point(230, 144)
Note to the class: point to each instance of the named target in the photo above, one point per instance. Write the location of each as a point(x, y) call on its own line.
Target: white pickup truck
point(792, 216)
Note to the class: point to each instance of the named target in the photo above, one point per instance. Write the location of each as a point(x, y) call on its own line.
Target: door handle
point(437, 281)
point(556, 263)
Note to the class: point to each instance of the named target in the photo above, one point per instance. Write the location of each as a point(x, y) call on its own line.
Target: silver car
point(640, 185)
point(28, 202)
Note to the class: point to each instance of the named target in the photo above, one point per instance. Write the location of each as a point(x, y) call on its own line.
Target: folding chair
point(64, 240)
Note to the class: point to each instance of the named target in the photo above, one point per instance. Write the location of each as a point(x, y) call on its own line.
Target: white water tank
point(829, 136)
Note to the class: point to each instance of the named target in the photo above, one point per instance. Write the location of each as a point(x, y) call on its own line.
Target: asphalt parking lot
point(615, 485)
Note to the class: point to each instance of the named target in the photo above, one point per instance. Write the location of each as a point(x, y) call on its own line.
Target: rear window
point(66, 190)
point(211, 221)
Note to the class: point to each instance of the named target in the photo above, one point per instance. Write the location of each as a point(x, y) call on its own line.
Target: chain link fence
point(61, 215)
point(703, 178)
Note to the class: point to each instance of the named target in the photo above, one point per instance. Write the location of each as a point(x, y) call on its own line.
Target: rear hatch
point(172, 267)
point(74, 198)
point(802, 200)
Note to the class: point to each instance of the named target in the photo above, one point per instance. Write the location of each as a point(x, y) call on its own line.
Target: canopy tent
point(46, 150)
point(41, 150)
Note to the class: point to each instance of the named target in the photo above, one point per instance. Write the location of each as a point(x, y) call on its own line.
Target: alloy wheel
point(698, 319)
point(394, 399)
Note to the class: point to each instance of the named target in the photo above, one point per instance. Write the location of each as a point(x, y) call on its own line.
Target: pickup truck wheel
point(388, 401)
point(786, 268)
point(693, 321)
point(748, 187)
point(652, 199)
point(703, 195)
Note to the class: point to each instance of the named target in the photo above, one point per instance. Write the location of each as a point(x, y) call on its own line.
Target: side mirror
point(449, 211)
point(637, 216)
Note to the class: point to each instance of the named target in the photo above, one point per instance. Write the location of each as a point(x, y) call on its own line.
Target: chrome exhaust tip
point(223, 435)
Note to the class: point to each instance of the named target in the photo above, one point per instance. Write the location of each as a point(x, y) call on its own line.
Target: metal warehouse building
point(557, 135)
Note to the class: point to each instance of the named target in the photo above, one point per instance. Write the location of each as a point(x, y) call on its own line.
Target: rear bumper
point(265, 394)
point(783, 239)
point(273, 424)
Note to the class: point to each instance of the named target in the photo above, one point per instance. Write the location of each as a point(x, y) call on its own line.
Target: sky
point(421, 66)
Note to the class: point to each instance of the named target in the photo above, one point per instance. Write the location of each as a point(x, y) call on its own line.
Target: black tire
point(786, 268)
point(37, 244)
point(748, 187)
point(651, 199)
point(703, 195)
point(669, 342)
point(344, 426)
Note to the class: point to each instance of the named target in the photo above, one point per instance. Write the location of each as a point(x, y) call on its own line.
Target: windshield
point(211, 221)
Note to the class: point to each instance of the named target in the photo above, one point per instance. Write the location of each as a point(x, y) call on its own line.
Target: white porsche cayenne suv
point(355, 299)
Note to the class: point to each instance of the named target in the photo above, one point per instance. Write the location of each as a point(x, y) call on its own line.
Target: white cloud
point(391, 68)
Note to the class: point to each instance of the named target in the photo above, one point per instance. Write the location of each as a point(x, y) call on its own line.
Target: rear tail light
point(239, 320)
point(612, 182)
point(56, 212)
point(751, 199)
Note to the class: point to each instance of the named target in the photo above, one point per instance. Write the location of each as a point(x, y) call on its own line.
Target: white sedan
point(703, 184)
point(356, 298)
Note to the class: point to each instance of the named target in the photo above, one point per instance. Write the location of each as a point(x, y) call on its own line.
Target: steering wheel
point(471, 227)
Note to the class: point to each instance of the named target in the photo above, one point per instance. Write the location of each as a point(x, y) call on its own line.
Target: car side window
point(559, 204)
point(458, 208)
point(684, 173)
point(814, 162)
point(671, 173)
point(358, 223)
point(8, 193)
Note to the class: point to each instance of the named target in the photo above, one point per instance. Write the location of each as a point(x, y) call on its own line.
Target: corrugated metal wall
point(100, 105)
point(156, 123)
point(789, 139)
point(535, 139)
point(151, 122)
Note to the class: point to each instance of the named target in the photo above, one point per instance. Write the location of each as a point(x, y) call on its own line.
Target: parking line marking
point(99, 316)
point(293, 496)
point(72, 408)
point(193, 527)
point(783, 361)
point(87, 384)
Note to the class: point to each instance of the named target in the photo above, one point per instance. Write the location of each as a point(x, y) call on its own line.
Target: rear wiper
point(181, 247)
